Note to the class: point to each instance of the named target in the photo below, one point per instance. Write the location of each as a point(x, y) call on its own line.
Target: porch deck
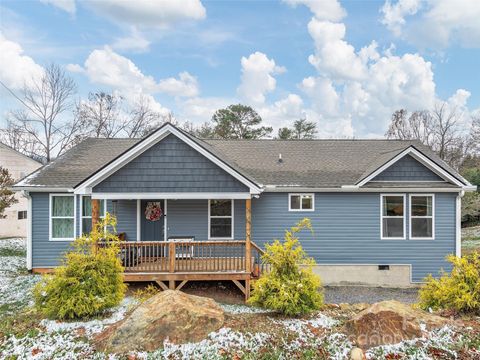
point(173, 261)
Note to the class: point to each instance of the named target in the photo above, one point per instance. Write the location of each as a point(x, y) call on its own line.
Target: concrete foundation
point(367, 275)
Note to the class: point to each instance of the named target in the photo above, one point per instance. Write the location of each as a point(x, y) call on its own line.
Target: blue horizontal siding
point(346, 230)
point(170, 166)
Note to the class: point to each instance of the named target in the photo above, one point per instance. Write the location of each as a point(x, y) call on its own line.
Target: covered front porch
point(173, 238)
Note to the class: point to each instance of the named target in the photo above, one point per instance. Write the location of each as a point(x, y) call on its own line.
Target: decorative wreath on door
point(153, 211)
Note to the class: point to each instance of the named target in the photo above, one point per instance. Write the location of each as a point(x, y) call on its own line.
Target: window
point(62, 217)
point(22, 215)
point(393, 217)
point(301, 202)
point(422, 217)
point(86, 215)
point(220, 216)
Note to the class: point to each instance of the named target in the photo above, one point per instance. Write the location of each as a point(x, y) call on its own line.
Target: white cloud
point(74, 68)
point(436, 24)
point(359, 90)
point(394, 14)
point(330, 10)
point(106, 67)
point(257, 79)
point(322, 93)
point(333, 55)
point(459, 99)
point(135, 42)
point(16, 69)
point(282, 112)
point(65, 5)
point(185, 86)
point(200, 109)
point(148, 13)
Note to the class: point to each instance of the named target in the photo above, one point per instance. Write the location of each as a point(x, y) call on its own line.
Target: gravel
point(361, 294)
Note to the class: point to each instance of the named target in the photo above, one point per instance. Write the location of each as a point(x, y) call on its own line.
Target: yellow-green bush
point(459, 290)
point(89, 280)
point(289, 288)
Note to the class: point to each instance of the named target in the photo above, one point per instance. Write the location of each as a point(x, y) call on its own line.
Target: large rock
point(170, 314)
point(390, 322)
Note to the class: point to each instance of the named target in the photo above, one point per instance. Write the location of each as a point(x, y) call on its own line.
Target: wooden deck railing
point(183, 256)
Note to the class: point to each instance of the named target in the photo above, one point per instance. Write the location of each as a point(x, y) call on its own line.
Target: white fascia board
point(419, 157)
point(149, 142)
point(173, 196)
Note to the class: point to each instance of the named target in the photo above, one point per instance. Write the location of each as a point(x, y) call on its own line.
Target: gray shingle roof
point(305, 163)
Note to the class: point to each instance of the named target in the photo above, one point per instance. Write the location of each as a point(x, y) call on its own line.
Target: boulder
point(357, 354)
point(390, 322)
point(171, 315)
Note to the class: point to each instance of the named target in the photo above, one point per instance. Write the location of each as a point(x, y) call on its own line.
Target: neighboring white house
point(19, 166)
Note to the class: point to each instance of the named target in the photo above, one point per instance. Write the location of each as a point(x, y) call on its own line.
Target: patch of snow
point(15, 287)
point(18, 244)
point(243, 309)
point(300, 325)
point(216, 346)
point(91, 326)
point(46, 346)
point(441, 339)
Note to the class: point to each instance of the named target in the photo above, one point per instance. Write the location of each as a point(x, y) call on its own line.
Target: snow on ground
point(91, 326)
point(15, 283)
point(243, 309)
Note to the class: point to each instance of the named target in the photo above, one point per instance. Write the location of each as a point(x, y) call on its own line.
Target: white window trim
point(301, 196)
point(222, 217)
point(51, 196)
point(404, 196)
point(421, 217)
point(90, 217)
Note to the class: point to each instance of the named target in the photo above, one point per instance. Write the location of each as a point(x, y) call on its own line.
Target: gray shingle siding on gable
point(170, 166)
point(405, 169)
point(346, 230)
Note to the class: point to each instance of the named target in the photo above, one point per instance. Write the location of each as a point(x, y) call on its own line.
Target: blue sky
point(343, 64)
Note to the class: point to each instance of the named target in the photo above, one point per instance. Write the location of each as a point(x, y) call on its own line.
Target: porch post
point(95, 213)
point(248, 245)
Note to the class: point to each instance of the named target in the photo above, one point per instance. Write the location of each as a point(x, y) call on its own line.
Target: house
point(18, 165)
point(384, 212)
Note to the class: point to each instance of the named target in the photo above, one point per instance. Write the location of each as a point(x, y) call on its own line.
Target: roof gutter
point(41, 189)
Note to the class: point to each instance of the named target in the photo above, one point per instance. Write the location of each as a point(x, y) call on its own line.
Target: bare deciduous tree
point(108, 116)
point(144, 119)
point(99, 115)
point(439, 129)
point(15, 136)
point(44, 102)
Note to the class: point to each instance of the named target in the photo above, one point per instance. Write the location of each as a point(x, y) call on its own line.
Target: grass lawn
point(470, 239)
point(248, 333)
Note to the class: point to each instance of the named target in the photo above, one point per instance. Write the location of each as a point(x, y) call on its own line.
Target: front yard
point(248, 333)
point(470, 239)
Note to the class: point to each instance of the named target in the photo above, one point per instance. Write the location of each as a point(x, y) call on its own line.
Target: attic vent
point(280, 158)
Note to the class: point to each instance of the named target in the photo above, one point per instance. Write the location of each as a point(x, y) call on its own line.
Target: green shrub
point(459, 290)
point(288, 287)
point(89, 280)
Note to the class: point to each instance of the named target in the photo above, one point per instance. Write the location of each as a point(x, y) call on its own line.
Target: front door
point(153, 227)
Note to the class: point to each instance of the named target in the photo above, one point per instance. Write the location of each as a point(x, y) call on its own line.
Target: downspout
point(26, 194)
point(458, 224)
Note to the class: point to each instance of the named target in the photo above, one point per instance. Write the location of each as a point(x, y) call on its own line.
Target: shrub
point(459, 290)
point(288, 287)
point(146, 293)
point(89, 280)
